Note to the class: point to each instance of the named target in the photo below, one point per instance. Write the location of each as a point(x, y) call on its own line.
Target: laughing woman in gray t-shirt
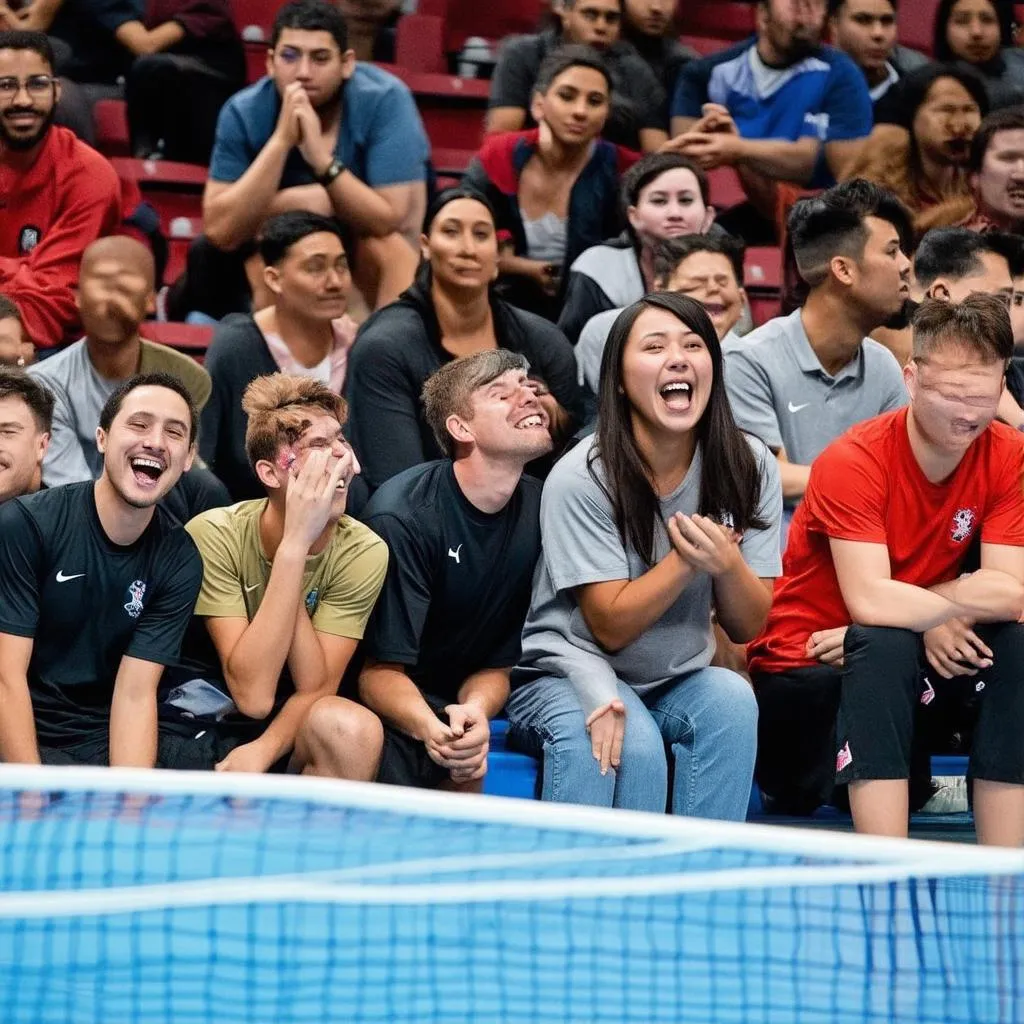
point(670, 512)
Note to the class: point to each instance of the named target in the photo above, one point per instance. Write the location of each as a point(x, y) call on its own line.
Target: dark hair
point(670, 252)
point(37, 42)
point(940, 44)
point(574, 55)
point(912, 90)
point(9, 309)
point(832, 224)
point(280, 233)
point(980, 323)
point(957, 253)
point(113, 404)
point(835, 6)
point(652, 166)
point(311, 16)
point(18, 384)
point(730, 481)
point(1006, 120)
point(450, 195)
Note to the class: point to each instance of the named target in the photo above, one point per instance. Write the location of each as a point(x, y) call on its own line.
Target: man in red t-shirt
point(872, 618)
point(56, 194)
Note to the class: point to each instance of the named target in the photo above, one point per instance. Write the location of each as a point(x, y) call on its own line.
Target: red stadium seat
point(764, 308)
point(725, 188)
point(706, 45)
point(917, 24)
point(492, 21)
point(420, 42)
point(254, 18)
point(192, 339)
point(763, 269)
point(255, 61)
point(111, 120)
point(452, 108)
point(720, 19)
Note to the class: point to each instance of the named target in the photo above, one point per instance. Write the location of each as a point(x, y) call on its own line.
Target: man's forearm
point(357, 204)
point(279, 737)
point(17, 725)
point(391, 694)
point(780, 158)
point(133, 727)
point(742, 603)
point(487, 689)
point(987, 595)
point(794, 479)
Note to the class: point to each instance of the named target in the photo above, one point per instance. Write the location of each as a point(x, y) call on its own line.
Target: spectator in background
point(664, 195)
point(997, 173)
point(15, 349)
point(464, 536)
point(58, 195)
point(779, 107)
point(115, 293)
point(26, 418)
point(289, 581)
point(188, 61)
point(450, 311)
point(555, 188)
point(865, 30)
point(979, 34)
point(650, 26)
point(320, 133)
point(921, 150)
point(636, 112)
point(667, 513)
point(878, 641)
point(800, 381)
point(306, 331)
point(705, 267)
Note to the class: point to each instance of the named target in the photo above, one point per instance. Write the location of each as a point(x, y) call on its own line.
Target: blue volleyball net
point(149, 897)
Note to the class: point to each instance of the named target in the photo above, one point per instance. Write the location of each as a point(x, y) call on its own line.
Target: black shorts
point(404, 761)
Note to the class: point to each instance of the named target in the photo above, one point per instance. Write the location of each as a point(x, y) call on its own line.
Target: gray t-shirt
point(781, 393)
point(581, 545)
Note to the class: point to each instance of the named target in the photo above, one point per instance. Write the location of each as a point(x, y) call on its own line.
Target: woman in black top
point(448, 312)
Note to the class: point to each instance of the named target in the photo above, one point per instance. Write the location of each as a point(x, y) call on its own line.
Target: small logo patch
point(979, 686)
point(844, 758)
point(312, 600)
point(28, 239)
point(136, 592)
point(928, 694)
point(963, 525)
point(454, 554)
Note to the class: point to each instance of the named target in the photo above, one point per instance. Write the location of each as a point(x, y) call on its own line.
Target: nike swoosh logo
point(797, 408)
point(61, 578)
point(249, 590)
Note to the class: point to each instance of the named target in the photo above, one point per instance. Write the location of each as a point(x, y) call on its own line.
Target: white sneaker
point(950, 796)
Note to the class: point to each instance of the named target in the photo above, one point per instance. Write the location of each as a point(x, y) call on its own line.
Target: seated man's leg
point(709, 721)
point(547, 722)
point(89, 748)
point(214, 282)
point(881, 689)
point(997, 755)
point(796, 737)
point(339, 739)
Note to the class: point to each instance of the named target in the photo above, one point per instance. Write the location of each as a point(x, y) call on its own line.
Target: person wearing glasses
point(321, 133)
point(637, 118)
point(57, 195)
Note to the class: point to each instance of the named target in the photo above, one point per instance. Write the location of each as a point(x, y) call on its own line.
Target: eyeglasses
point(38, 86)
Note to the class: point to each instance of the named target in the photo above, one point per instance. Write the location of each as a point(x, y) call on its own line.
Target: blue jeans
point(708, 720)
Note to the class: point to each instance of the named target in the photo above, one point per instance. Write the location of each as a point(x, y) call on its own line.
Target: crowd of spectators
point(517, 447)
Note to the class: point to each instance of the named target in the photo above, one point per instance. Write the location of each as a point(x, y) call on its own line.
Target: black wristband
point(334, 170)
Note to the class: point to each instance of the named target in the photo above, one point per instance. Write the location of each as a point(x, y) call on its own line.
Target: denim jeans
point(707, 722)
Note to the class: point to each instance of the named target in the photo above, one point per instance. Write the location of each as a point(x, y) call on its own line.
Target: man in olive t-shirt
point(289, 582)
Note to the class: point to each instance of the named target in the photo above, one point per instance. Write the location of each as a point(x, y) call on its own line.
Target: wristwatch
point(334, 169)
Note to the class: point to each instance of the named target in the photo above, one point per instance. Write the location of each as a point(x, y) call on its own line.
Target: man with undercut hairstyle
point(97, 585)
point(116, 291)
point(26, 417)
point(800, 381)
point(877, 638)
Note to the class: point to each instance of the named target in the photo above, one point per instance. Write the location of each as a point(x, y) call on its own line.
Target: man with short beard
point(997, 172)
point(97, 586)
point(56, 193)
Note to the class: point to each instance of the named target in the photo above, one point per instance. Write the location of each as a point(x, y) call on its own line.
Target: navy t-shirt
point(87, 602)
point(88, 27)
point(381, 140)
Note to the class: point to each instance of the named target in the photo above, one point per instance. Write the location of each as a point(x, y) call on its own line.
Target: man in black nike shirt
point(97, 587)
point(464, 535)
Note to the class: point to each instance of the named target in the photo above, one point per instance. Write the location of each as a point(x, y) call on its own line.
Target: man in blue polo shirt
point(779, 106)
point(320, 133)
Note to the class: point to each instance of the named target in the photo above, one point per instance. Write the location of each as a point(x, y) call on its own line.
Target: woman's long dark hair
point(730, 481)
point(940, 44)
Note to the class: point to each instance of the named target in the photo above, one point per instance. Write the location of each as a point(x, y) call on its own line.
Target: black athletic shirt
point(87, 602)
point(458, 583)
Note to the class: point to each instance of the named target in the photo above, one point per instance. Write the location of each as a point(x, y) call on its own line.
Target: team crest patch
point(963, 525)
point(844, 758)
point(28, 239)
point(136, 592)
point(312, 600)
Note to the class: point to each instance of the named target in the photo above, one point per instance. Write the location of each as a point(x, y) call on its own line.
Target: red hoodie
point(49, 213)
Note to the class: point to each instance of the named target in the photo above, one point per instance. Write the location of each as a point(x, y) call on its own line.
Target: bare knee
point(341, 738)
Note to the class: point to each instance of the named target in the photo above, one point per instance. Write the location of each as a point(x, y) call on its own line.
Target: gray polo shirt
point(781, 393)
point(581, 545)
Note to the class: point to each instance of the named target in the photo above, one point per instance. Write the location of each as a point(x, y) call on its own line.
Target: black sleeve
point(21, 557)
point(584, 298)
point(214, 424)
point(648, 95)
point(165, 617)
point(384, 409)
point(514, 75)
point(396, 624)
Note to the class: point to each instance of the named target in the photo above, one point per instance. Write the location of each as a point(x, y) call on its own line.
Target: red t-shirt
point(867, 486)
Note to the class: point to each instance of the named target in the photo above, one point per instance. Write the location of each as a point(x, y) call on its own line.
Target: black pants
point(214, 282)
point(176, 99)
